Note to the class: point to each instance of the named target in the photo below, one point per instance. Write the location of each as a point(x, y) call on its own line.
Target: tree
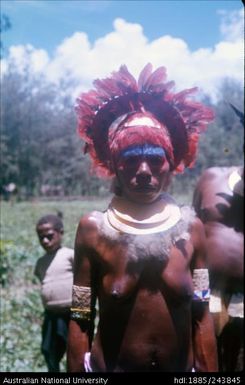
point(223, 143)
point(39, 139)
point(40, 144)
point(5, 24)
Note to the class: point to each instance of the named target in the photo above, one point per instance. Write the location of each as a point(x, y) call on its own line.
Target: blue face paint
point(147, 150)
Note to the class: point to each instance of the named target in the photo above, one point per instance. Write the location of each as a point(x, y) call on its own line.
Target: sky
point(199, 41)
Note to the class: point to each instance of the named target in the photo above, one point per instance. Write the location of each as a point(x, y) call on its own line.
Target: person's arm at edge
point(204, 341)
point(78, 333)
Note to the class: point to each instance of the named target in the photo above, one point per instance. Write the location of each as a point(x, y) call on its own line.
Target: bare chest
point(148, 264)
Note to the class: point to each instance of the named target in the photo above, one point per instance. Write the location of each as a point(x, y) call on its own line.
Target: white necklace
point(133, 218)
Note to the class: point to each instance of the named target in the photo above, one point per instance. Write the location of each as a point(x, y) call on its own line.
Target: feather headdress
point(120, 96)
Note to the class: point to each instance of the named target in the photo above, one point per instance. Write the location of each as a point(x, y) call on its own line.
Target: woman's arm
point(83, 302)
point(204, 341)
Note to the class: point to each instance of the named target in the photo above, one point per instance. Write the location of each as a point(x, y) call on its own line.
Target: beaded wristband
point(200, 280)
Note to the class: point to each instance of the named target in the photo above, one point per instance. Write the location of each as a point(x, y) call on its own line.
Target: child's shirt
point(55, 272)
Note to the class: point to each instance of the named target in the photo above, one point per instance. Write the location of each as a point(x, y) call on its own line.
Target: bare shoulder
point(90, 221)
point(205, 182)
point(197, 232)
point(217, 173)
point(196, 226)
point(213, 172)
point(88, 227)
point(211, 182)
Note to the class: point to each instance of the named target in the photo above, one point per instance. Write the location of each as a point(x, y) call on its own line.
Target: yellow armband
point(81, 303)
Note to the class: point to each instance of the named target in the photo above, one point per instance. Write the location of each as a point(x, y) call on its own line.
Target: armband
point(81, 301)
point(200, 280)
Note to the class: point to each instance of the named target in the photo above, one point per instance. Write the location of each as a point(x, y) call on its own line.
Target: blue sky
point(199, 42)
point(44, 24)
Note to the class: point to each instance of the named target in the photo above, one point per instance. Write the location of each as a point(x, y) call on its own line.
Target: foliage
point(223, 143)
point(5, 25)
point(21, 307)
point(21, 331)
point(40, 145)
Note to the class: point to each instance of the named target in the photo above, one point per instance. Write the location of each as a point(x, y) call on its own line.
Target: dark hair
point(55, 220)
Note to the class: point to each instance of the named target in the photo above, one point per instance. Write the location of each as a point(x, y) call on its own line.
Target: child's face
point(49, 238)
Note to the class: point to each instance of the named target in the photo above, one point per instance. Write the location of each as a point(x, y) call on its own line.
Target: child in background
point(55, 272)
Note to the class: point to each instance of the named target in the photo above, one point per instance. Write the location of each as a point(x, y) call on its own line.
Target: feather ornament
point(182, 118)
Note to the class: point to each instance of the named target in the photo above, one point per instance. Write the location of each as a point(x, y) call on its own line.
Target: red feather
point(155, 79)
point(120, 94)
point(144, 76)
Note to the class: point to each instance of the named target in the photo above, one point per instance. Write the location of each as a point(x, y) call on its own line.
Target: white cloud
point(26, 57)
point(80, 62)
point(232, 24)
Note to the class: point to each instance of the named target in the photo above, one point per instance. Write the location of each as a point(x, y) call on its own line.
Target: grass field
point(21, 307)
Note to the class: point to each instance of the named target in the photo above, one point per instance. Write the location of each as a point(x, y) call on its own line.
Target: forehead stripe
point(146, 150)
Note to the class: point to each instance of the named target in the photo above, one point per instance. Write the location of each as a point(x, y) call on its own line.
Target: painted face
point(143, 173)
point(49, 238)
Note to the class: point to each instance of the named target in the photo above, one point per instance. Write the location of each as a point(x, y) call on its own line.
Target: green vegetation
point(21, 307)
point(41, 152)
